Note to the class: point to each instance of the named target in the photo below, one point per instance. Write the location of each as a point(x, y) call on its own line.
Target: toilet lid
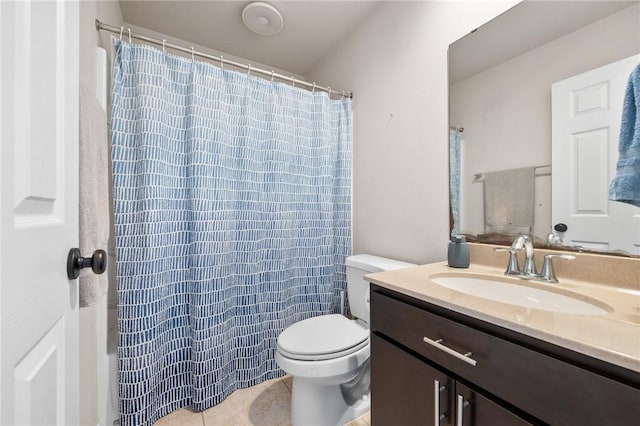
point(323, 337)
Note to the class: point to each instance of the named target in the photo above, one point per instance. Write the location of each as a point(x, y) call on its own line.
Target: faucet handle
point(512, 268)
point(547, 273)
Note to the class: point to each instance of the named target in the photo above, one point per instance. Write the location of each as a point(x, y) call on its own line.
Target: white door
point(586, 114)
point(38, 212)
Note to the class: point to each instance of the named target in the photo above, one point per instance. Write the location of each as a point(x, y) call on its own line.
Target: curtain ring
point(164, 50)
point(193, 54)
point(313, 90)
point(293, 81)
point(272, 74)
point(129, 30)
point(249, 70)
point(221, 62)
point(343, 95)
point(329, 91)
point(121, 30)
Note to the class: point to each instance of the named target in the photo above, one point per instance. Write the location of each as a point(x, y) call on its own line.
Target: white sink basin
point(523, 295)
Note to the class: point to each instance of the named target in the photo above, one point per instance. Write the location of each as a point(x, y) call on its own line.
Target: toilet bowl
point(328, 356)
point(321, 358)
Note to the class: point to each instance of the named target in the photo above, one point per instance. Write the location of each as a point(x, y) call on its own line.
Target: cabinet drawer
point(547, 388)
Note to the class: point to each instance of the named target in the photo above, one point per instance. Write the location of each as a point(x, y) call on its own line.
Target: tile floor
point(266, 404)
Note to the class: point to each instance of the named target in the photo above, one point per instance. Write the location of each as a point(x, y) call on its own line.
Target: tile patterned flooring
point(266, 404)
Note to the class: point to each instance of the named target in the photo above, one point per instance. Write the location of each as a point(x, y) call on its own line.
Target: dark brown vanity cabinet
point(433, 366)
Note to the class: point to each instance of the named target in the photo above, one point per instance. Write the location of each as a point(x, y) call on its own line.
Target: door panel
point(35, 90)
point(38, 212)
point(38, 379)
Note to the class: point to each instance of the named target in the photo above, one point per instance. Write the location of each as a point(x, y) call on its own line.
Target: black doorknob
point(560, 227)
point(75, 262)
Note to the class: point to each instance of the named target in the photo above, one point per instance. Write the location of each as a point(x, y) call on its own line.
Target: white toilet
point(328, 356)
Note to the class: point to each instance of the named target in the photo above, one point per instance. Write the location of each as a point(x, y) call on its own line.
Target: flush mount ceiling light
point(262, 18)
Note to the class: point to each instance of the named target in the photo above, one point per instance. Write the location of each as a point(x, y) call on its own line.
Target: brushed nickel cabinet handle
point(463, 357)
point(460, 404)
point(436, 402)
point(437, 388)
point(459, 410)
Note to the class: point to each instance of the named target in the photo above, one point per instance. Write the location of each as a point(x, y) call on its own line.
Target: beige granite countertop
point(613, 337)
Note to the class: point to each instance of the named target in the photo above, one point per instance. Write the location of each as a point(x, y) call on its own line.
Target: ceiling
point(311, 28)
point(524, 27)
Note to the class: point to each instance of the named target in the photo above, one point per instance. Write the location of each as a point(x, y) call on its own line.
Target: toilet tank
point(357, 288)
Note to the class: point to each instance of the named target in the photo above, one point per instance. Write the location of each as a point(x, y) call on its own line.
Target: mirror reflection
point(535, 105)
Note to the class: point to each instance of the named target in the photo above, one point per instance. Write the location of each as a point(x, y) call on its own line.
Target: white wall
point(506, 110)
point(107, 11)
point(396, 65)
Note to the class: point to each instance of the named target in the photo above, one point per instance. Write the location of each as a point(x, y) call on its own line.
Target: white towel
point(93, 192)
point(509, 198)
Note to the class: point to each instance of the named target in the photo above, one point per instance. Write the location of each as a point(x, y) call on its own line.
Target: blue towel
point(625, 186)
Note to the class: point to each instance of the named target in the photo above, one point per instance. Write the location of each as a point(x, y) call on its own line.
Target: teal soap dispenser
point(458, 255)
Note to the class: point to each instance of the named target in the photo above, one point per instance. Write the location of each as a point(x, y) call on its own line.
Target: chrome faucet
point(529, 268)
point(528, 271)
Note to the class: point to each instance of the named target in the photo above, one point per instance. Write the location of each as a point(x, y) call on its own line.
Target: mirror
point(505, 131)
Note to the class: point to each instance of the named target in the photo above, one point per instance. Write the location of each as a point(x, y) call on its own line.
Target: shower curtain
point(454, 180)
point(232, 221)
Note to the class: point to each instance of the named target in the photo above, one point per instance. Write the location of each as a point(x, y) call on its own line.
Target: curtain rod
point(294, 81)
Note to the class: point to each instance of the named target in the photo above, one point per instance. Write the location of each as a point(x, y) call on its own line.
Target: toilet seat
point(322, 338)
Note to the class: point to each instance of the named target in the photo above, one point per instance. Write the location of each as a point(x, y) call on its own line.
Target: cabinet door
point(474, 409)
point(403, 389)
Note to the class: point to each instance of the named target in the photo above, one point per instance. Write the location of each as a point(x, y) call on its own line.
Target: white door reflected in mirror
point(586, 111)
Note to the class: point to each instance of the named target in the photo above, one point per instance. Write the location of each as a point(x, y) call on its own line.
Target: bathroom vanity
point(442, 357)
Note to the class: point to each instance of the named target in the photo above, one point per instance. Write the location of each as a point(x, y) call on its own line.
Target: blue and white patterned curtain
point(454, 179)
point(232, 221)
